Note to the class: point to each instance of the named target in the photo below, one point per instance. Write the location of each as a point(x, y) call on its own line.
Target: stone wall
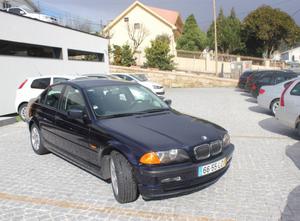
point(173, 79)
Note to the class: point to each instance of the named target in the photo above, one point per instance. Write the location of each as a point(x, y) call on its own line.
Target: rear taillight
point(262, 91)
point(22, 85)
point(283, 93)
point(253, 87)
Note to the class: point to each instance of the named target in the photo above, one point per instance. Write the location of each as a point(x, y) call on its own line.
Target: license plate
point(212, 167)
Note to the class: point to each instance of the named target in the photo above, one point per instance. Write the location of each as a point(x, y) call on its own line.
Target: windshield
point(122, 100)
point(140, 77)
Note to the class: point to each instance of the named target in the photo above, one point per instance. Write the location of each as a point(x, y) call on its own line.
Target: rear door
point(292, 102)
point(46, 114)
point(74, 133)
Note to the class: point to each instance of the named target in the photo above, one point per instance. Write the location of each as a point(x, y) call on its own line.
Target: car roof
point(54, 76)
point(87, 83)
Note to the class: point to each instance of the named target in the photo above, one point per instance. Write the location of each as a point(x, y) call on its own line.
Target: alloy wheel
point(35, 138)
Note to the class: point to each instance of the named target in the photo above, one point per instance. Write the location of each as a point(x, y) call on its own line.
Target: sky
point(102, 11)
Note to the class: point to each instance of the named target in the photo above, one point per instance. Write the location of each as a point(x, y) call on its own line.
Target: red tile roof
point(170, 16)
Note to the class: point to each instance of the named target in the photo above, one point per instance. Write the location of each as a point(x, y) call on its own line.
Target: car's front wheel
point(122, 179)
point(274, 106)
point(37, 141)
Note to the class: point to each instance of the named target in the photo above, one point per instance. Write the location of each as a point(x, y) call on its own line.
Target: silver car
point(269, 95)
point(288, 113)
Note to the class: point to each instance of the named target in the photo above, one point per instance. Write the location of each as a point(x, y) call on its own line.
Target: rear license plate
point(212, 167)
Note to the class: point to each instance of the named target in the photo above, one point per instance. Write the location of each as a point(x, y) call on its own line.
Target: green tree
point(158, 55)
point(117, 55)
point(123, 56)
point(228, 33)
point(192, 38)
point(265, 29)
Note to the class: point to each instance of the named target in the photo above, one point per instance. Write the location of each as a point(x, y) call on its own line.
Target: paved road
point(263, 182)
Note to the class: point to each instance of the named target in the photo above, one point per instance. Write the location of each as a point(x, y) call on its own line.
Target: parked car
point(269, 95)
point(102, 76)
point(143, 80)
point(288, 112)
point(38, 16)
point(123, 132)
point(270, 78)
point(243, 79)
point(33, 87)
point(250, 80)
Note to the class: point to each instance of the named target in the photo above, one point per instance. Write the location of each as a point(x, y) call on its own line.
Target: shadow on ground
point(260, 110)
point(291, 211)
point(292, 208)
point(293, 152)
point(272, 125)
point(246, 94)
point(251, 100)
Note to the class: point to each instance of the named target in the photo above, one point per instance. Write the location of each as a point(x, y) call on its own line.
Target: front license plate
point(212, 167)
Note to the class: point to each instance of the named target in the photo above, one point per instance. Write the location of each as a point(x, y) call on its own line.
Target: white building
point(143, 22)
point(30, 48)
point(292, 55)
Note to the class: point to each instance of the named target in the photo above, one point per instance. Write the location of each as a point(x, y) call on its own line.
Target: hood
point(161, 131)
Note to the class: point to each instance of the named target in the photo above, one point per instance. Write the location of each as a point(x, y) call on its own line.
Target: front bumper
point(150, 178)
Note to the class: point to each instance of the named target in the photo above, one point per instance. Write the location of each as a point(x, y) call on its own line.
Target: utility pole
point(216, 40)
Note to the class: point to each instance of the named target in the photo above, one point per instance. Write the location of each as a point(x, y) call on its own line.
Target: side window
point(41, 83)
point(58, 80)
point(265, 80)
point(16, 11)
point(296, 90)
point(53, 95)
point(121, 76)
point(127, 78)
point(279, 79)
point(72, 99)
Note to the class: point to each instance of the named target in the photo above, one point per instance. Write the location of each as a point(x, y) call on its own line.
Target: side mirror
point(168, 102)
point(75, 114)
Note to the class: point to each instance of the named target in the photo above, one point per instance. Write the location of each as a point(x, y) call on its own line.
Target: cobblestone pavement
point(263, 182)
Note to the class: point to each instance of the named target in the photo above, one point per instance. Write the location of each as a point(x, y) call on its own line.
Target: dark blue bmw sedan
point(123, 133)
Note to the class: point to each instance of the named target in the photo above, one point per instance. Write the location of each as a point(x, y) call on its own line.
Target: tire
point(22, 111)
point(298, 130)
point(123, 182)
point(37, 141)
point(274, 105)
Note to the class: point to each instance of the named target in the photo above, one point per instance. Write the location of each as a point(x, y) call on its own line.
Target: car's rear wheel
point(22, 111)
point(37, 141)
point(298, 130)
point(122, 179)
point(274, 106)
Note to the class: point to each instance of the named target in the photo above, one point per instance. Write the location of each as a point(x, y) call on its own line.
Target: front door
point(74, 134)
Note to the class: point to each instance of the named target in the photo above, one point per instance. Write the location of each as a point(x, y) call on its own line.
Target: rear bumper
point(152, 185)
point(284, 118)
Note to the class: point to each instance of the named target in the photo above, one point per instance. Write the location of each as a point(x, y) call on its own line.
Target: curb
point(8, 121)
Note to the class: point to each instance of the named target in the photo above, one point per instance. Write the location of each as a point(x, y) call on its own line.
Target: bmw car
point(125, 134)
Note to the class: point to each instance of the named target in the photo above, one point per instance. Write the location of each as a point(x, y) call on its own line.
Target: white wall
point(154, 26)
point(14, 70)
point(288, 55)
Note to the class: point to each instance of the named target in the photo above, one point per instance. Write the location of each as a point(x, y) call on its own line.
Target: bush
point(158, 54)
point(123, 56)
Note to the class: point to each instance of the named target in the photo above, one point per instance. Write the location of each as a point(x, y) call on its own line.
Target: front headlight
point(164, 157)
point(226, 140)
point(156, 87)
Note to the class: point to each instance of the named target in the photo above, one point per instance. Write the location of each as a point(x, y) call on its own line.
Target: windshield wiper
point(153, 110)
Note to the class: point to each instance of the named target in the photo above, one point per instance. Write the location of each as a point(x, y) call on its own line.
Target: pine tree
point(192, 39)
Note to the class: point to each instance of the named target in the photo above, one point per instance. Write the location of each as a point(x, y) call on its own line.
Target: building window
point(85, 56)
point(126, 19)
point(137, 25)
point(29, 50)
